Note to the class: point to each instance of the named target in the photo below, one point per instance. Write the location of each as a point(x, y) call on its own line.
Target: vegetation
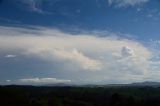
point(79, 96)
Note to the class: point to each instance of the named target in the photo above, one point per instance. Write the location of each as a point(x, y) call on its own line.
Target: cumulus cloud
point(126, 51)
point(125, 3)
point(129, 60)
point(42, 81)
point(110, 57)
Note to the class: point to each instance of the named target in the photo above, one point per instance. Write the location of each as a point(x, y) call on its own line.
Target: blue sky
point(77, 41)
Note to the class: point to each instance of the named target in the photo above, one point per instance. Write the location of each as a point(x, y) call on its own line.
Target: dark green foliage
point(79, 96)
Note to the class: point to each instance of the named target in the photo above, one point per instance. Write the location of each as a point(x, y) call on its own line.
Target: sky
point(79, 41)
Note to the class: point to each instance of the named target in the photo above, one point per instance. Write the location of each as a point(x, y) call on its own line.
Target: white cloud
point(10, 56)
point(112, 57)
point(78, 57)
point(42, 81)
point(8, 80)
point(125, 3)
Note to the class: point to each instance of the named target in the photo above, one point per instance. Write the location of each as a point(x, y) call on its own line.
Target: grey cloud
point(126, 51)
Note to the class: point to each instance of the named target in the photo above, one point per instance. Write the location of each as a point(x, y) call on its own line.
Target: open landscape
point(79, 52)
point(80, 95)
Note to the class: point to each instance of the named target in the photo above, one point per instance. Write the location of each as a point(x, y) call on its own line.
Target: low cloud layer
point(99, 58)
point(42, 81)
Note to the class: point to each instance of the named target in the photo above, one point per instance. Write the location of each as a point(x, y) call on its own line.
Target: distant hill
point(136, 84)
point(59, 84)
point(146, 83)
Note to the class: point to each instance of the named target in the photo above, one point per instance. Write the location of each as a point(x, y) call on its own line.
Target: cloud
point(8, 80)
point(74, 55)
point(34, 5)
point(126, 3)
point(115, 58)
point(10, 56)
point(9, 20)
point(42, 81)
point(153, 14)
point(71, 55)
point(126, 51)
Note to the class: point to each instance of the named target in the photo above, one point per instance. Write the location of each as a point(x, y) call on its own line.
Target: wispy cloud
point(34, 6)
point(9, 20)
point(153, 14)
point(126, 3)
point(10, 56)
